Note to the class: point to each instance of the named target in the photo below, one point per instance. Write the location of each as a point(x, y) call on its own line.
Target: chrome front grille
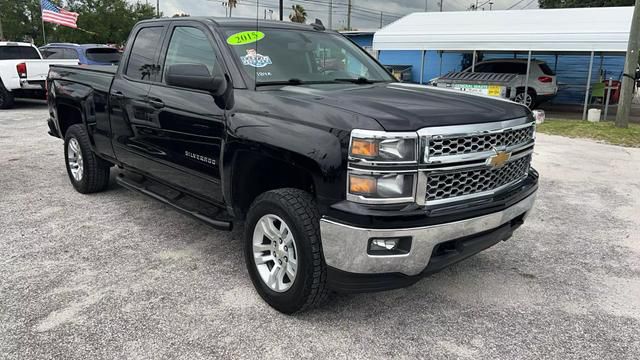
point(447, 146)
point(464, 162)
point(443, 185)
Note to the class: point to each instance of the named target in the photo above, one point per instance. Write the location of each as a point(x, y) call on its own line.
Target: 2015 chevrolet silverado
point(345, 179)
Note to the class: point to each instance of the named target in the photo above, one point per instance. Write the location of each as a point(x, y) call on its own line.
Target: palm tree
point(298, 14)
point(232, 4)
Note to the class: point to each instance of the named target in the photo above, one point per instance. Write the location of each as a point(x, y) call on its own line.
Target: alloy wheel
point(274, 253)
point(526, 101)
point(74, 158)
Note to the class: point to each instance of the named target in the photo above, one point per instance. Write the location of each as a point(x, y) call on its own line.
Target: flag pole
point(44, 36)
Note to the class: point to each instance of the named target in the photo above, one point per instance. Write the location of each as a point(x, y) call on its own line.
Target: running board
point(182, 202)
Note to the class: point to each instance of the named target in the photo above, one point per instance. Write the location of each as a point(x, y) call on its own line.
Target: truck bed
point(97, 77)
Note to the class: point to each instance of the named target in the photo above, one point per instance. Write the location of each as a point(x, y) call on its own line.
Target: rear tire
point(296, 222)
point(88, 173)
point(6, 97)
point(530, 101)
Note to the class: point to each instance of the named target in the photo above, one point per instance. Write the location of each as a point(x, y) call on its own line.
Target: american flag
point(57, 15)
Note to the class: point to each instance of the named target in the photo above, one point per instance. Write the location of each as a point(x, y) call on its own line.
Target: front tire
point(88, 173)
point(283, 251)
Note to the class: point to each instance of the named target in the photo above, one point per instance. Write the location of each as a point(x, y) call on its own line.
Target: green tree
point(101, 21)
point(551, 4)
point(298, 14)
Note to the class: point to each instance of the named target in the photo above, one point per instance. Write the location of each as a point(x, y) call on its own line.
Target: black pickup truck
point(345, 179)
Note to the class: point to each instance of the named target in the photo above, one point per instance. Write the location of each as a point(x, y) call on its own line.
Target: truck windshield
point(280, 56)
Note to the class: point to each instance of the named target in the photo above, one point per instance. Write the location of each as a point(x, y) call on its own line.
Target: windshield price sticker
point(245, 37)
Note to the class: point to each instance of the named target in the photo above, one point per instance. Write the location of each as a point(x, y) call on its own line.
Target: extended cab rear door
point(188, 125)
point(128, 98)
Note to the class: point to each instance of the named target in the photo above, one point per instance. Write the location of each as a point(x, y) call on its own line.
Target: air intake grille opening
point(455, 183)
point(479, 143)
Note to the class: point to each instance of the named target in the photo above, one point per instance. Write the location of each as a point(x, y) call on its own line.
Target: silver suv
point(542, 80)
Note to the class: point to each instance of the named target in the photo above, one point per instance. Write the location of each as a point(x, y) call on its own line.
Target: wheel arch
point(254, 173)
point(530, 89)
point(67, 114)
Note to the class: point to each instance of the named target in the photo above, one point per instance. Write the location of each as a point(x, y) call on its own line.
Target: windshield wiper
point(292, 81)
point(360, 80)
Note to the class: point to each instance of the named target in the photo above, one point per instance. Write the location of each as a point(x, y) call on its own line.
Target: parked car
point(345, 180)
point(542, 80)
point(23, 72)
point(87, 54)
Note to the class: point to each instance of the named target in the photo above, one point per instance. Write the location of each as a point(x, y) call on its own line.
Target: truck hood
point(408, 107)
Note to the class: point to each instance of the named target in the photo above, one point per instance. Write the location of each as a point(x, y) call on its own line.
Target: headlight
point(385, 147)
point(380, 188)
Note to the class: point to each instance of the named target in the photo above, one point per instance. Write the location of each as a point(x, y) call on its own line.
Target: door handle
point(118, 95)
point(156, 103)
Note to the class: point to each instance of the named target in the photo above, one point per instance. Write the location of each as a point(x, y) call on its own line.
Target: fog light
point(389, 246)
point(384, 244)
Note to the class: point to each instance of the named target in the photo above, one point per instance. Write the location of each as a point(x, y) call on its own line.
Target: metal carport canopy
point(566, 30)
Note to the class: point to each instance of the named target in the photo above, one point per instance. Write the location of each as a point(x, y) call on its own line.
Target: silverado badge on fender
point(499, 159)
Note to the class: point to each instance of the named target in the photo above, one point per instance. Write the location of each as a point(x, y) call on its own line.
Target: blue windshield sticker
point(254, 59)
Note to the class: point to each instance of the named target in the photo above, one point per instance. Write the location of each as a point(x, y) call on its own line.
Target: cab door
point(129, 106)
point(189, 126)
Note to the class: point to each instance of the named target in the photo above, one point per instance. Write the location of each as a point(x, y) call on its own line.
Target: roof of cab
point(81, 46)
point(240, 22)
point(15, 43)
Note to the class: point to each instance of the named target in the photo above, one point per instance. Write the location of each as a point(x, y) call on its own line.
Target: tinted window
point(484, 68)
point(51, 53)
point(70, 54)
point(59, 53)
point(546, 69)
point(509, 68)
point(104, 55)
point(190, 45)
point(141, 64)
point(18, 53)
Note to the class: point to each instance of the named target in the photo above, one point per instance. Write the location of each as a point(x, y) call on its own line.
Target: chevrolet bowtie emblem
point(499, 159)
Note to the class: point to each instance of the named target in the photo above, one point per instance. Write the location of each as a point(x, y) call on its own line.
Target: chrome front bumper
point(345, 247)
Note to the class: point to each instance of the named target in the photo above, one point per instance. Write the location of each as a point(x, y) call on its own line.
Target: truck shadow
point(29, 104)
point(486, 280)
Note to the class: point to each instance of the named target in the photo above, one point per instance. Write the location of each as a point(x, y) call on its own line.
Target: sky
point(365, 13)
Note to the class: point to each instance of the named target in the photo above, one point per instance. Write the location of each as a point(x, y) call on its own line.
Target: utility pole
point(158, 8)
point(330, 14)
point(628, 78)
point(349, 16)
point(426, 5)
point(281, 9)
point(380, 20)
point(441, 4)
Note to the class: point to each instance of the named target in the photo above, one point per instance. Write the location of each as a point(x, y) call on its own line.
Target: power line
point(516, 4)
point(364, 12)
point(353, 7)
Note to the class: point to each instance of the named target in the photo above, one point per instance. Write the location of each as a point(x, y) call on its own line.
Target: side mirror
point(196, 76)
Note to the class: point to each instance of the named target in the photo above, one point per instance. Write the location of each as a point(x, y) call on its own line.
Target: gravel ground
point(118, 275)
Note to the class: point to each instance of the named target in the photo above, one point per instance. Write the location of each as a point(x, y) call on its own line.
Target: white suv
point(542, 80)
